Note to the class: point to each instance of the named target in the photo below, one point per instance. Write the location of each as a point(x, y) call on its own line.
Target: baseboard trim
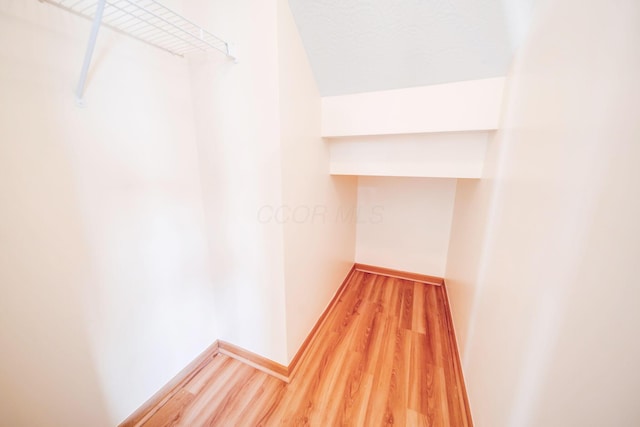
point(283, 373)
point(268, 366)
point(155, 402)
point(303, 348)
point(247, 357)
point(422, 278)
point(453, 342)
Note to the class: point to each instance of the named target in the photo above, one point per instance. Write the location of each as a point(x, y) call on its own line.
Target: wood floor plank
point(169, 414)
point(419, 320)
point(208, 374)
point(382, 356)
point(406, 321)
point(208, 399)
point(397, 397)
point(416, 419)
point(268, 407)
point(379, 411)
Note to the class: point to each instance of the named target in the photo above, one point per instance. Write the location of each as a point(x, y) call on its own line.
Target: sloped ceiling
point(367, 45)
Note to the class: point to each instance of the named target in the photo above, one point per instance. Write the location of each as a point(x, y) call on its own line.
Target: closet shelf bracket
point(95, 28)
point(145, 20)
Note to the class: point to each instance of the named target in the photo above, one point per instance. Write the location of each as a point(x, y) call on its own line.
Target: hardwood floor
point(383, 356)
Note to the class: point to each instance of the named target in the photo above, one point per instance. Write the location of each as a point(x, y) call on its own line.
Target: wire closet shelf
point(149, 22)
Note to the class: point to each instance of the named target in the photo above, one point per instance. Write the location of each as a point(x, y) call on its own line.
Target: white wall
point(468, 238)
point(238, 124)
point(452, 107)
point(547, 307)
point(404, 223)
point(319, 243)
point(106, 293)
point(276, 263)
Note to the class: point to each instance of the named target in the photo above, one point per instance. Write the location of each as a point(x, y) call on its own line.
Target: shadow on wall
point(103, 270)
point(543, 261)
point(47, 373)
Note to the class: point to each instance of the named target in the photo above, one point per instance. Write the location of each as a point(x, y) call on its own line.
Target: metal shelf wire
point(144, 20)
point(150, 22)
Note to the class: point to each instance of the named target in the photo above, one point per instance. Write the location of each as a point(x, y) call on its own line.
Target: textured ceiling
point(366, 45)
